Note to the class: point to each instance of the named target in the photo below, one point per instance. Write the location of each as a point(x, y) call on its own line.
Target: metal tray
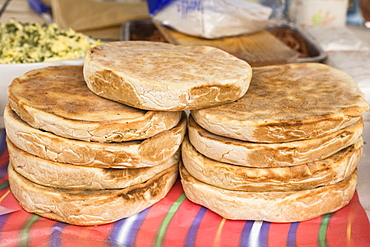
point(316, 54)
point(146, 29)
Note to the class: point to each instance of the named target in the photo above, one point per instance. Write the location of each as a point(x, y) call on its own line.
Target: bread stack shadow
point(287, 151)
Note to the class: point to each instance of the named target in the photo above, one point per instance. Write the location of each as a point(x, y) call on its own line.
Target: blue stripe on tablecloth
point(190, 238)
point(244, 239)
point(292, 234)
point(56, 233)
point(125, 231)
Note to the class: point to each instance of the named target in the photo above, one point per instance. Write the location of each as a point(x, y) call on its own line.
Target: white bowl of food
point(28, 46)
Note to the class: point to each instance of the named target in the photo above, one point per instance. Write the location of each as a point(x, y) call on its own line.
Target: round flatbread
point(90, 207)
point(165, 77)
point(287, 103)
point(289, 206)
point(56, 99)
point(133, 154)
point(254, 154)
point(292, 178)
point(65, 176)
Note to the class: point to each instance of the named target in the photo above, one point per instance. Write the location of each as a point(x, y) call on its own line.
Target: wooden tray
point(258, 49)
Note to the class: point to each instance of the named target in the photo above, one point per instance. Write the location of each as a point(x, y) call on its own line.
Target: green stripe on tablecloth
point(167, 219)
point(4, 185)
point(323, 229)
point(26, 229)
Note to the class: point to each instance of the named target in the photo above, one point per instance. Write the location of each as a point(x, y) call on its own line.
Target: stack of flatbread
point(82, 159)
point(96, 143)
point(286, 151)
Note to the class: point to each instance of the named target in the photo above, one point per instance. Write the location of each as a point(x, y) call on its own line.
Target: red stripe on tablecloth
point(39, 233)
point(278, 234)
point(95, 233)
point(360, 234)
point(337, 229)
point(308, 232)
point(180, 224)
point(231, 228)
point(101, 232)
point(208, 229)
point(4, 158)
point(84, 235)
point(146, 235)
point(8, 200)
point(354, 231)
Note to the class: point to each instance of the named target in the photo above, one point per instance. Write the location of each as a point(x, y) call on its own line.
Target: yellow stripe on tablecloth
point(5, 195)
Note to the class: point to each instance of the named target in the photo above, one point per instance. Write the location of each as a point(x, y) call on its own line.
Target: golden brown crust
point(287, 103)
point(289, 206)
point(254, 154)
point(90, 207)
point(61, 175)
point(301, 177)
point(165, 77)
point(150, 152)
point(56, 99)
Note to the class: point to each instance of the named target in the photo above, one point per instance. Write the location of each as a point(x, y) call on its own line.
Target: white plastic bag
point(213, 18)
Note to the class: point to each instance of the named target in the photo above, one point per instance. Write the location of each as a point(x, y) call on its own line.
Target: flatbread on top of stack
point(165, 77)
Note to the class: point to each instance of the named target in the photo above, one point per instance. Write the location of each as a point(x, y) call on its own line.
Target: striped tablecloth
point(175, 221)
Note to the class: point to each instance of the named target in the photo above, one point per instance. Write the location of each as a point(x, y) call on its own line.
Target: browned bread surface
point(57, 99)
point(255, 154)
point(67, 176)
point(287, 206)
point(133, 154)
point(287, 103)
point(306, 176)
point(165, 77)
point(90, 207)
